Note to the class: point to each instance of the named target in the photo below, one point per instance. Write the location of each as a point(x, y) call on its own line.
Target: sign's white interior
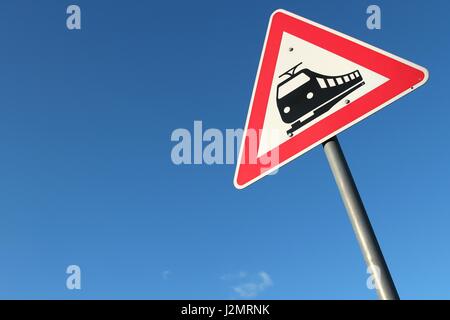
point(293, 51)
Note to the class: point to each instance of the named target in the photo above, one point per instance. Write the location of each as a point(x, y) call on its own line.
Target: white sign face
point(293, 51)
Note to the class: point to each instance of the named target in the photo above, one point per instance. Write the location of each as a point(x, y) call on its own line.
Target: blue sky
point(86, 176)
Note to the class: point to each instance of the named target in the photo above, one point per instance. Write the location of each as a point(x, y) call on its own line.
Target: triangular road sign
point(312, 83)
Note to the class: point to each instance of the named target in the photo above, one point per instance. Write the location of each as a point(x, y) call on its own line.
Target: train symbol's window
point(331, 82)
point(292, 84)
point(346, 79)
point(339, 80)
point(322, 83)
point(357, 74)
point(352, 76)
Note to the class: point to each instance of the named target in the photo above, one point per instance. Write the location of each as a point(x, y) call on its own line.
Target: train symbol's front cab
point(305, 95)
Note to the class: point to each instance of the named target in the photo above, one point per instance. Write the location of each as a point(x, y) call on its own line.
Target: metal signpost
point(360, 221)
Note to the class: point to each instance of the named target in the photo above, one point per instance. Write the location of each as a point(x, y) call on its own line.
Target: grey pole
point(360, 221)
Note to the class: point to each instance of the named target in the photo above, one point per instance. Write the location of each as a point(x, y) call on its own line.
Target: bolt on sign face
point(312, 83)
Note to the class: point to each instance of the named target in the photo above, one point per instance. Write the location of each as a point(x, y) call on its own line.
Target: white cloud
point(254, 286)
point(165, 274)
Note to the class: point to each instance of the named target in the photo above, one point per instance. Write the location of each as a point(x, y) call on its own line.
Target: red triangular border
point(403, 77)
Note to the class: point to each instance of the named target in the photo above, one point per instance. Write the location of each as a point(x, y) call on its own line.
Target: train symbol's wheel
point(290, 134)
